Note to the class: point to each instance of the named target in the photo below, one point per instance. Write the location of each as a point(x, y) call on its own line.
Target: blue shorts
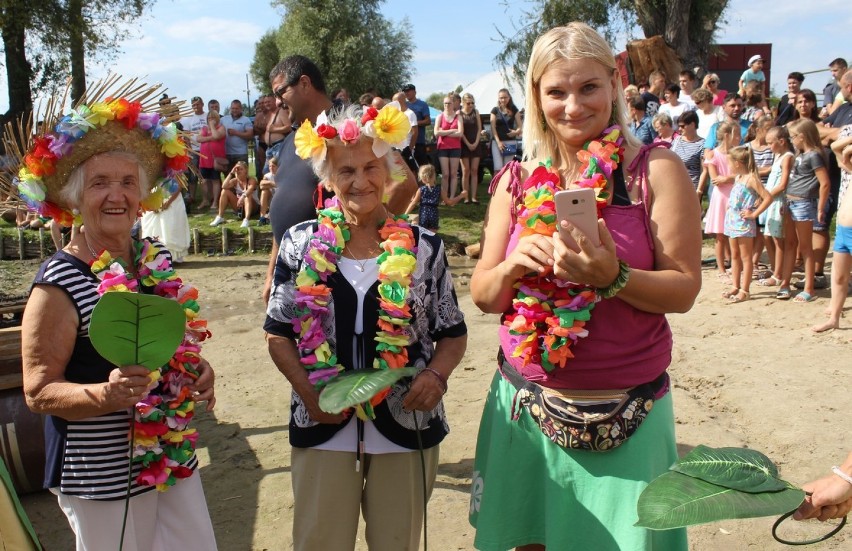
point(829, 210)
point(802, 210)
point(843, 239)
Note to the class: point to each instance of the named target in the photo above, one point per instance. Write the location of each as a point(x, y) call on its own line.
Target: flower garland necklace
point(162, 439)
point(549, 314)
point(396, 264)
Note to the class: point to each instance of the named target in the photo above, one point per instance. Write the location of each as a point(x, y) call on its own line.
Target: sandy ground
point(748, 374)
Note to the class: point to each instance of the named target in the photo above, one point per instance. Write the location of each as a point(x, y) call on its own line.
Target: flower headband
point(113, 124)
point(388, 127)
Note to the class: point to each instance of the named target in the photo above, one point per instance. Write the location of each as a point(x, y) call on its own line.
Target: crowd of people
point(581, 396)
point(729, 142)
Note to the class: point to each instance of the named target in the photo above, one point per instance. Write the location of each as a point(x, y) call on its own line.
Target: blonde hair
point(215, 114)
point(743, 154)
point(427, 174)
point(574, 41)
point(810, 133)
point(468, 96)
point(725, 128)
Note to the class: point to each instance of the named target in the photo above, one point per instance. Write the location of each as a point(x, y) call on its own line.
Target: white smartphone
point(577, 206)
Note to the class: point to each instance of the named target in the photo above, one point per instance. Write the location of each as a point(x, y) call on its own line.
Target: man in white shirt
point(686, 81)
point(193, 124)
point(411, 139)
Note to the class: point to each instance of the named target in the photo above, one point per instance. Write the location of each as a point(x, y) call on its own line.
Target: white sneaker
point(245, 223)
point(218, 220)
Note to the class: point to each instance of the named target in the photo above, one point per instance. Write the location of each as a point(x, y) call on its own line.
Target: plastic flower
point(389, 128)
point(308, 143)
point(349, 131)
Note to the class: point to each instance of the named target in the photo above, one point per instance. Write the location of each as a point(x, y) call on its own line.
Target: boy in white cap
point(754, 72)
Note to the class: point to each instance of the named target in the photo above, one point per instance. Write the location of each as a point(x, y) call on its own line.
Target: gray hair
point(72, 193)
point(335, 118)
point(662, 118)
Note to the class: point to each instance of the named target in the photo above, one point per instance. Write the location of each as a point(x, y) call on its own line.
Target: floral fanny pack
point(593, 420)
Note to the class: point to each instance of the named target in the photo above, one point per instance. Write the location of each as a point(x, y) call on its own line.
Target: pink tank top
point(445, 142)
point(625, 347)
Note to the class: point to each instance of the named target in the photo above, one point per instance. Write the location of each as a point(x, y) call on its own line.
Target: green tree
point(688, 26)
point(351, 42)
point(46, 41)
point(266, 56)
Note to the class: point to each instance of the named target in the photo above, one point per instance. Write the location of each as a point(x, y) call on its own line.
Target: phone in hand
point(578, 207)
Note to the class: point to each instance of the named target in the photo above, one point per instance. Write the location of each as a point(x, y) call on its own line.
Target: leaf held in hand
point(737, 468)
point(674, 500)
point(136, 329)
point(356, 387)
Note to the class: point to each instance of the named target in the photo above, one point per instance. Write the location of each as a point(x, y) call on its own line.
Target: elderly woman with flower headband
point(360, 288)
point(584, 342)
point(120, 451)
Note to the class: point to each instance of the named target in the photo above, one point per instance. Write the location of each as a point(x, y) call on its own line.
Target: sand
point(749, 375)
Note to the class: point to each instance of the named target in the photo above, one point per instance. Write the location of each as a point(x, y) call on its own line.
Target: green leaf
point(736, 468)
point(674, 500)
point(135, 329)
point(356, 387)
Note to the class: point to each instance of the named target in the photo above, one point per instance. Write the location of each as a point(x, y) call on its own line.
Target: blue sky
point(204, 47)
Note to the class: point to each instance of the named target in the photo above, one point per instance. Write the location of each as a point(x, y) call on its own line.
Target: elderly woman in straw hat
point(116, 437)
point(359, 288)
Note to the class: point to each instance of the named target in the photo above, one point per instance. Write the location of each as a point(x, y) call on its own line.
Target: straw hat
point(114, 115)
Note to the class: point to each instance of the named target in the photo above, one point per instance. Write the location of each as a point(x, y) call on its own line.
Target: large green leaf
point(736, 468)
point(356, 387)
point(675, 500)
point(135, 329)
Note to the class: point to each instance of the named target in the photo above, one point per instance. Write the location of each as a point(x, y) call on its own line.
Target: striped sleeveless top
point(87, 458)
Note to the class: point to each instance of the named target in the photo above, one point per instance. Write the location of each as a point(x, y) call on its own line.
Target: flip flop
point(770, 281)
point(804, 297)
point(783, 294)
point(741, 296)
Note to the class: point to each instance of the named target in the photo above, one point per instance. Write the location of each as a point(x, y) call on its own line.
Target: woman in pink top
point(449, 130)
point(580, 320)
point(212, 140)
point(711, 82)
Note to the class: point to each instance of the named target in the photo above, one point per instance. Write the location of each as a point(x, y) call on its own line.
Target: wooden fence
point(29, 244)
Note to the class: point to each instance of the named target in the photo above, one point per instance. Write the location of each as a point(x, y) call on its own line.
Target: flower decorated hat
point(114, 115)
point(388, 127)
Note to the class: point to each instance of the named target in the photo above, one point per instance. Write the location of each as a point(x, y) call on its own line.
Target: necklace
point(312, 297)
point(91, 250)
point(163, 443)
point(549, 314)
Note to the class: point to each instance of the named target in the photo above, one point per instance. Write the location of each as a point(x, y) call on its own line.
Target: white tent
point(485, 88)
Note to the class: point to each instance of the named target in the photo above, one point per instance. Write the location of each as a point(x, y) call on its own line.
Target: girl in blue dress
point(748, 199)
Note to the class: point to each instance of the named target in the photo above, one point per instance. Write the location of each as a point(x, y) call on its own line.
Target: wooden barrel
point(21, 430)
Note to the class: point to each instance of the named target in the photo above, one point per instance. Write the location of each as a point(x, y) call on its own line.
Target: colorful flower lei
point(47, 150)
point(396, 264)
point(549, 314)
point(388, 127)
point(162, 439)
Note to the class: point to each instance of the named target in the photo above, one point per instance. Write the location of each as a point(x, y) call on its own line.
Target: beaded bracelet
point(836, 470)
point(620, 281)
point(440, 377)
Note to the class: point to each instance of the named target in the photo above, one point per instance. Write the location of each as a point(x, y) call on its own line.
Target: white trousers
point(156, 521)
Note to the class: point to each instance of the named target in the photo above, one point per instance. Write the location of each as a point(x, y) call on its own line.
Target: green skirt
point(526, 489)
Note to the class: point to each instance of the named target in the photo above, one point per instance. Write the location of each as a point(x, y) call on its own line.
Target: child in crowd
point(776, 184)
point(267, 189)
point(842, 262)
point(753, 73)
point(728, 136)
point(740, 219)
point(807, 196)
point(429, 197)
point(763, 157)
